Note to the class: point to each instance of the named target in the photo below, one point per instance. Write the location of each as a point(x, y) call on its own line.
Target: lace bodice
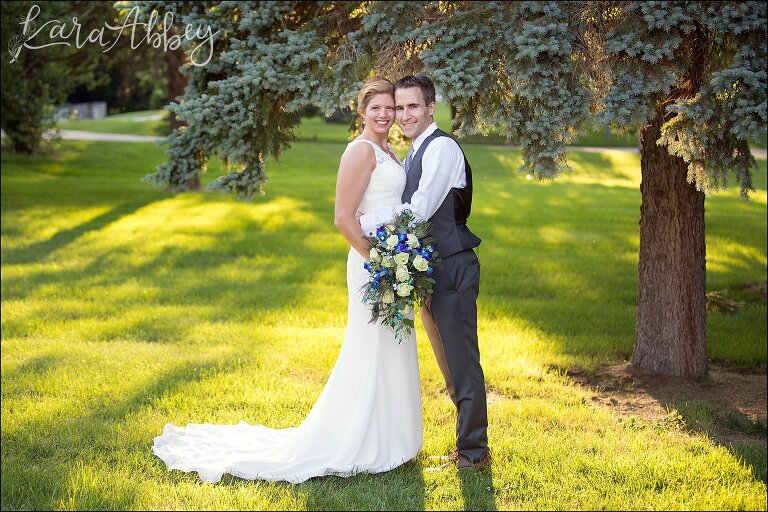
point(387, 180)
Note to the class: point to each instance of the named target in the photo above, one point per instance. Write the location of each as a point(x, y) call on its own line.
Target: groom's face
point(413, 115)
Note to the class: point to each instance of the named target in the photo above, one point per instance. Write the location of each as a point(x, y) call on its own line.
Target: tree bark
point(670, 333)
point(176, 83)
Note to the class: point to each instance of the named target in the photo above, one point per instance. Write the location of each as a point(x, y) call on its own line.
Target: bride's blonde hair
point(373, 86)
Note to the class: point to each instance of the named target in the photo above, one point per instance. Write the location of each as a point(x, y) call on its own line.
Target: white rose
point(388, 297)
point(391, 242)
point(388, 261)
point(404, 290)
point(401, 258)
point(390, 228)
point(413, 241)
point(375, 256)
point(402, 274)
point(420, 264)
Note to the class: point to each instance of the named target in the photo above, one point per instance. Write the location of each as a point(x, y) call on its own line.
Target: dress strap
point(378, 153)
point(373, 144)
point(381, 154)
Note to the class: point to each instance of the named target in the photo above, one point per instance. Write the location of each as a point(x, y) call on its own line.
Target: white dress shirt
point(442, 168)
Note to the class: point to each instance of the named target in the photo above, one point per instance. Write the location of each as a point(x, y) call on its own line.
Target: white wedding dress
point(367, 418)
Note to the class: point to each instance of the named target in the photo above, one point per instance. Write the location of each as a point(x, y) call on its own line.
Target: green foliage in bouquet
point(402, 259)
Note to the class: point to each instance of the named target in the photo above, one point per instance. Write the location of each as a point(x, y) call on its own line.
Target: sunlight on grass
point(729, 256)
point(609, 169)
point(126, 308)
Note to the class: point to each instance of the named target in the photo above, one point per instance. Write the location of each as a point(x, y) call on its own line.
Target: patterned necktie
point(408, 159)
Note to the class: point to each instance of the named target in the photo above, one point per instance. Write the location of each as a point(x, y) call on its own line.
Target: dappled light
point(125, 308)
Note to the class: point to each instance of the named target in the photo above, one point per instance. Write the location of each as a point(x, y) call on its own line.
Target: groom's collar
point(421, 138)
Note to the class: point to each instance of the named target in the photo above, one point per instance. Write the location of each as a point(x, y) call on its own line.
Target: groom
point(439, 189)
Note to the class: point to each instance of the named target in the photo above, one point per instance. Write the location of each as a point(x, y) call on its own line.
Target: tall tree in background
point(690, 75)
point(243, 105)
point(34, 80)
point(165, 68)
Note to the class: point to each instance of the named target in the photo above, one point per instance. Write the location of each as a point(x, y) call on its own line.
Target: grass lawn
point(124, 308)
point(145, 122)
point(316, 129)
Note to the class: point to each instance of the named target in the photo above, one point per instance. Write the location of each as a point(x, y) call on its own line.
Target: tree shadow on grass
point(477, 489)
point(745, 438)
point(562, 257)
point(77, 460)
point(399, 489)
point(574, 245)
point(754, 456)
point(14, 379)
point(727, 407)
point(41, 250)
point(244, 270)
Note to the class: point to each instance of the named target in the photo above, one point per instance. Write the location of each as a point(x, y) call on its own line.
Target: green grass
point(125, 308)
point(316, 129)
point(133, 123)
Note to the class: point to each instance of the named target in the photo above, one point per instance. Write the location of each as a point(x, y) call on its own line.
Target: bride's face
point(380, 114)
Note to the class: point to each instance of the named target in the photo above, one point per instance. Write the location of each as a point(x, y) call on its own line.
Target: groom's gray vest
point(449, 223)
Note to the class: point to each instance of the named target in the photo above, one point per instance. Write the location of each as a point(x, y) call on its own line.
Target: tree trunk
point(670, 333)
point(176, 82)
point(194, 183)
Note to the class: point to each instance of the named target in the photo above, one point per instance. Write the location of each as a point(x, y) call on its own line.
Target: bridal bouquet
point(402, 259)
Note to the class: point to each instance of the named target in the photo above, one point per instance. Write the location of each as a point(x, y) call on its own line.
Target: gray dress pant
point(453, 308)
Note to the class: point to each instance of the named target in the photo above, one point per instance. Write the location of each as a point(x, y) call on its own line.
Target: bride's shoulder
point(354, 142)
point(357, 152)
point(360, 148)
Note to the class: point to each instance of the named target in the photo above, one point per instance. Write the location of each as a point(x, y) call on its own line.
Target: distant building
point(91, 110)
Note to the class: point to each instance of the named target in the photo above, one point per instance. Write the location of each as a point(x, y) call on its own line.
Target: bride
point(368, 417)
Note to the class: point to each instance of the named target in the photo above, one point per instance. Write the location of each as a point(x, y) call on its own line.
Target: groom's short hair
point(420, 81)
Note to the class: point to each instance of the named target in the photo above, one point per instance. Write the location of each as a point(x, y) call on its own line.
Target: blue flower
point(430, 248)
point(367, 266)
point(381, 233)
point(430, 270)
point(402, 247)
point(426, 254)
point(402, 237)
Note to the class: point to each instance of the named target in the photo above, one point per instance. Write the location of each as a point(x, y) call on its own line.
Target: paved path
point(119, 137)
point(79, 135)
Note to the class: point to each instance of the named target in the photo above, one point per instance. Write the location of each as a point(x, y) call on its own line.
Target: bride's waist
point(366, 207)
